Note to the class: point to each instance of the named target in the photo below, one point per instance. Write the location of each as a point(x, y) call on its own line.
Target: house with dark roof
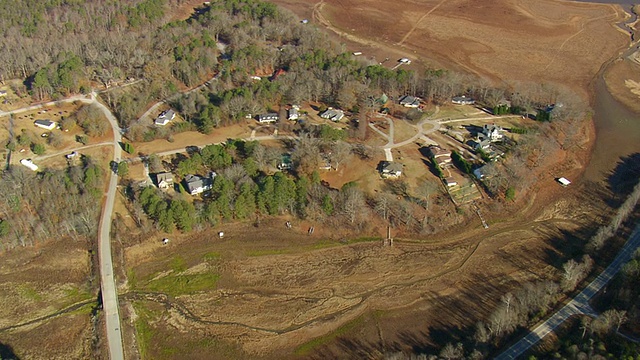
point(45, 124)
point(410, 101)
point(390, 169)
point(164, 117)
point(196, 184)
point(267, 118)
point(165, 180)
point(492, 132)
point(332, 114)
point(285, 162)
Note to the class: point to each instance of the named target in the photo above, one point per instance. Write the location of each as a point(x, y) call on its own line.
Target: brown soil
point(40, 282)
point(506, 40)
point(623, 81)
point(276, 292)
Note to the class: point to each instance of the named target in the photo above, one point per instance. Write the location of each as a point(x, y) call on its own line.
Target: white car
point(405, 61)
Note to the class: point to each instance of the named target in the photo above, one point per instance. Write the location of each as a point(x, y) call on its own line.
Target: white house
point(267, 118)
point(165, 180)
point(164, 117)
point(197, 184)
point(390, 169)
point(45, 124)
point(463, 100)
point(410, 101)
point(492, 132)
point(332, 114)
point(293, 114)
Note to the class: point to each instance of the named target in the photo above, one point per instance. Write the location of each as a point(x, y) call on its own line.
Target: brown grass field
point(501, 40)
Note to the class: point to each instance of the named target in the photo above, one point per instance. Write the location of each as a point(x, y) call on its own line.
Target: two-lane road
point(579, 304)
point(108, 283)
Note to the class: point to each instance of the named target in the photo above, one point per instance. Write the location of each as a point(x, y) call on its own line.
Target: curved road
point(107, 281)
point(579, 304)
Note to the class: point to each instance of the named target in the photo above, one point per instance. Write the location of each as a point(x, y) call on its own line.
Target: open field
point(623, 81)
point(502, 40)
point(53, 286)
point(268, 292)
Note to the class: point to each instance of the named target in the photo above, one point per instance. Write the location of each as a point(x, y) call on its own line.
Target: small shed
point(563, 181)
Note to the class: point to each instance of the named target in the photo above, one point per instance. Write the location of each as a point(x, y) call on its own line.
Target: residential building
point(450, 181)
point(267, 118)
point(196, 184)
point(285, 162)
point(463, 100)
point(293, 113)
point(479, 173)
point(492, 132)
point(410, 101)
point(439, 155)
point(45, 124)
point(390, 169)
point(332, 114)
point(165, 180)
point(164, 117)
point(481, 143)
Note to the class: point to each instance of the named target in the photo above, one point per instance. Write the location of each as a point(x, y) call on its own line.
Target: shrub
point(37, 149)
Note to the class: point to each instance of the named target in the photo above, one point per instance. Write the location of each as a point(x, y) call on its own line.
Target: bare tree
point(340, 152)
point(451, 352)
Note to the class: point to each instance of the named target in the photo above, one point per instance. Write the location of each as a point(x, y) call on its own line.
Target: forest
point(49, 205)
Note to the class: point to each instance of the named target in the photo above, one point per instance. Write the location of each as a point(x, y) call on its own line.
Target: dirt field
point(270, 292)
point(623, 80)
point(503, 40)
point(47, 295)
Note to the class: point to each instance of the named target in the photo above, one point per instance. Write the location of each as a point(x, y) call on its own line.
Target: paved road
point(579, 304)
point(108, 284)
